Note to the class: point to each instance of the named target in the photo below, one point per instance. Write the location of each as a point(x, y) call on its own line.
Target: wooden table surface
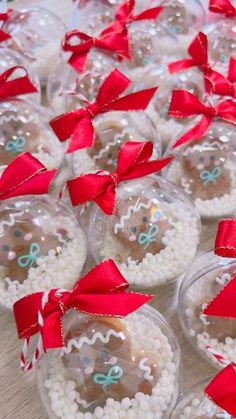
point(18, 391)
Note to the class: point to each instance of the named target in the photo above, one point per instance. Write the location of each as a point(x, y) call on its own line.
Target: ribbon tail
point(52, 334)
point(149, 14)
point(217, 83)
point(222, 389)
point(106, 200)
point(83, 136)
point(111, 305)
point(232, 70)
point(181, 65)
point(196, 133)
point(26, 315)
point(137, 101)
point(78, 61)
point(223, 305)
point(4, 36)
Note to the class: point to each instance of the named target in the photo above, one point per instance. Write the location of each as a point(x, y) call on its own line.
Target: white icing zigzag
point(132, 208)
point(186, 186)
point(85, 340)
point(11, 222)
point(109, 144)
point(206, 144)
point(59, 237)
point(146, 369)
point(8, 118)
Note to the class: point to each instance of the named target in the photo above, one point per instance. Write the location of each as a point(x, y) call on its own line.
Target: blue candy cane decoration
point(113, 376)
point(16, 146)
point(149, 237)
point(207, 176)
point(28, 260)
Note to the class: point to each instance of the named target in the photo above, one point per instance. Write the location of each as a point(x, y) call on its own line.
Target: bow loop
point(224, 7)
point(78, 124)
point(102, 292)
point(11, 86)
point(185, 104)
point(24, 176)
point(133, 162)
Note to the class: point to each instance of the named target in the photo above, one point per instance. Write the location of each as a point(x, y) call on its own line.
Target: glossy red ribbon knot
point(198, 50)
point(224, 86)
point(25, 175)
point(11, 86)
point(184, 104)
point(78, 124)
point(111, 42)
point(102, 292)
point(222, 389)
point(133, 162)
point(125, 16)
point(224, 7)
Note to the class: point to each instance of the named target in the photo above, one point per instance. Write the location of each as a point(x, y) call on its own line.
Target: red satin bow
point(198, 50)
point(221, 85)
point(102, 292)
point(112, 42)
point(124, 16)
point(224, 7)
point(133, 162)
point(78, 123)
point(222, 389)
point(25, 176)
point(184, 104)
point(17, 86)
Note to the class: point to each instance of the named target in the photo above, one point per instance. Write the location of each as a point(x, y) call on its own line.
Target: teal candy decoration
point(16, 146)
point(164, 112)
point(113, 376)
point(30, 259)
point(210, 176)
point(224, 58)
point(149, 237)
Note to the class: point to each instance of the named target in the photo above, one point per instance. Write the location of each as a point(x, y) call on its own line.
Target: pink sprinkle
point(11, 255)
point(132, 238)
point(28, 236)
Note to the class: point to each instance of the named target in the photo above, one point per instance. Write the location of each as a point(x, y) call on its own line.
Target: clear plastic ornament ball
point(93, 16)
point(222, 43)
point(182, 17)
point(24, 127)
point(109, 367)
point(112, 130)
point(195, 404)
point(153, 235)
point(207, 334)
point(10, 58)
point(68, 89)
point(41, 247)
point(36, 34)
point(205, 169)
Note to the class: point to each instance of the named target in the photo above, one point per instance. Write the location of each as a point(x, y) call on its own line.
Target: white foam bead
point(88, 415)
point(125, 403)
point(98, 412)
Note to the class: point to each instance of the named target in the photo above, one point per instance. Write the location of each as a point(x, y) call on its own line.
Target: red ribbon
point(221, 85)
point(224, 7)
point(17, 86)
point(222, 389)
point(25, 176)
point(124, 16)
point(198, 50)
point(225, 243)
point(112, 42)
point(78, 123)
point(133, 162)
point(184, 104)
point(102, 292)
point(4, 36)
